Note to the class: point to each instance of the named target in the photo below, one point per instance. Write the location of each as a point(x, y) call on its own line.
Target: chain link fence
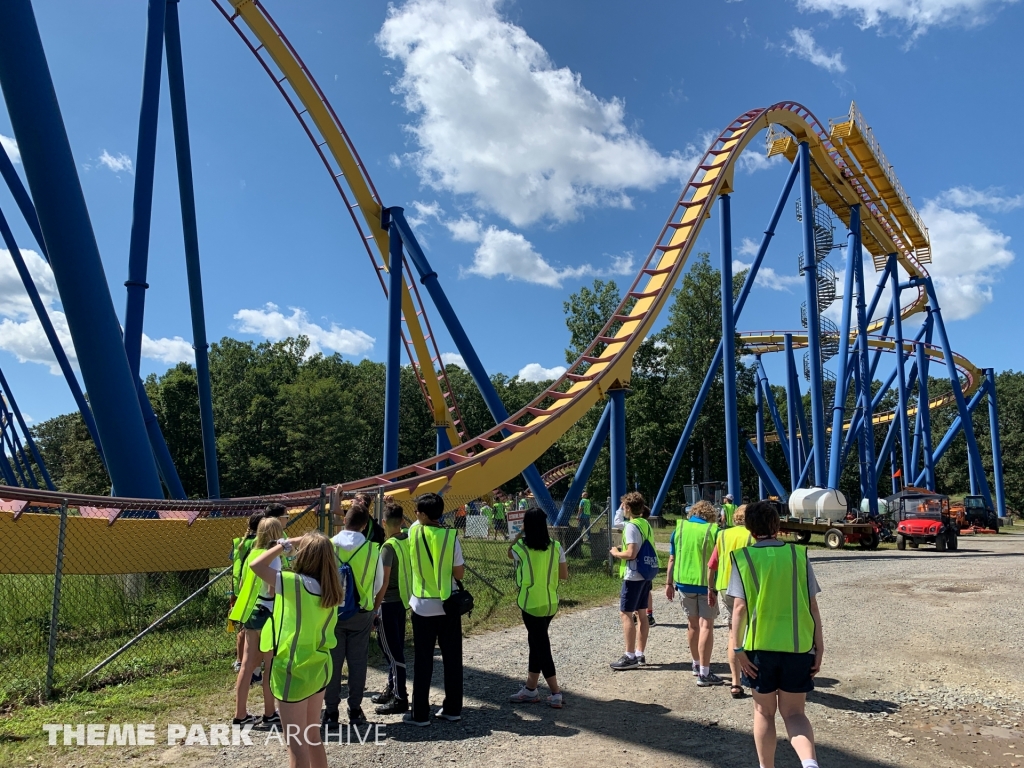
point(94, 596)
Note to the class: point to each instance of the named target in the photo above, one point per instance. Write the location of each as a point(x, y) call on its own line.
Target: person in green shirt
point(500, 522)
point(583, 515)
point(728, 510)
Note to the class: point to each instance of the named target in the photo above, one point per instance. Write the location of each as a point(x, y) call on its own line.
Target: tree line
point(287, 420)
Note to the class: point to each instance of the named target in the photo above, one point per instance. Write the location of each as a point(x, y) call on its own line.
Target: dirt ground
point(921, 669)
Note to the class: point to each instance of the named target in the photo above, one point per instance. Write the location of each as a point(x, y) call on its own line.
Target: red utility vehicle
point(924, 519)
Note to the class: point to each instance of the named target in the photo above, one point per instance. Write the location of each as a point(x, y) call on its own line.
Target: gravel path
point(919, 671)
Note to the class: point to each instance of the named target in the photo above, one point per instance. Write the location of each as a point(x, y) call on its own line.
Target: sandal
point(737, 691)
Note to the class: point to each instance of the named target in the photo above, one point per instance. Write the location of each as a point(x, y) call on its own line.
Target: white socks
point(705, 671)
point(630, 656)
point(808, 764)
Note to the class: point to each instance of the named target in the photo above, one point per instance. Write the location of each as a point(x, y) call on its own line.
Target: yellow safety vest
point(402, 562)
point(248, 592)
point(301, 635)
point(778, 598)
point(363, 562)
point(693, 545)
point(537, 578)
point(240, 549)
point(432, 550)
point(645, 531)
point(728, 542)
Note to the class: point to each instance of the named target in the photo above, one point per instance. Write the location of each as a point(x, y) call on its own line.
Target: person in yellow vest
point(436, 563)
point(776, 632)
point(397, 589)
point(252, 609)
point(299, 637)
point(353, 632)
point(726, 519)
point(635, 588)
point(719, 572)
point(540, 565)
point(240, 549)
point(689, 551)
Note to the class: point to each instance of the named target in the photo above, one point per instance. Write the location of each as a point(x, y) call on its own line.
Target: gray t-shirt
point(736, 582)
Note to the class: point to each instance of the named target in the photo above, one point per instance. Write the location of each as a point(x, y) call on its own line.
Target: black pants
point(391, 636)
point(353, 636)
point(446, 632)
point(540, 645)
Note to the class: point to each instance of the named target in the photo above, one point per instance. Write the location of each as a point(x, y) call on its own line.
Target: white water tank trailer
point(807, 503)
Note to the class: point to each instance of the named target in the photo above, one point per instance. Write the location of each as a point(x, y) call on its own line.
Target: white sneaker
point(696, 668)
point(237, 666)
point(641, 659)
point(525, 696)
point(555, 701)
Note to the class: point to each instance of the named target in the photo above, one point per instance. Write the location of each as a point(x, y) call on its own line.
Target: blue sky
point(537, 145)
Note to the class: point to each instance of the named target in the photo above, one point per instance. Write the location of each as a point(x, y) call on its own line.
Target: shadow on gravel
point(962, 553)
point(835, 701)
point(634, 725)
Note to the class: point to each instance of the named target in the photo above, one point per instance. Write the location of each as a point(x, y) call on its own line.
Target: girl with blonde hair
point(299, 638)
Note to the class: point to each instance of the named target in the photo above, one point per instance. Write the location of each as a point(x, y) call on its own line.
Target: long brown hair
point(314, 557)
point(269, 531)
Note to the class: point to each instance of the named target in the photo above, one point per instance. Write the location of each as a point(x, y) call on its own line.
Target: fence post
point(58, 574)
point(320, 515)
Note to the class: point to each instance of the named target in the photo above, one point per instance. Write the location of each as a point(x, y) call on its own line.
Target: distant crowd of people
point(307, 606)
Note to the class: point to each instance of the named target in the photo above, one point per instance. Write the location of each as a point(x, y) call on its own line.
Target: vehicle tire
point(913, 543)
point(901, 542)
point(834, 538)
point(869, 540)
point(940, 542)
point(952, 543)
point(802, 537)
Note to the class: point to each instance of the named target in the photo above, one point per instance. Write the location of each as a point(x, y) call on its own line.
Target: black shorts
point(260, 615)
point(778, 671)
point(634, 596)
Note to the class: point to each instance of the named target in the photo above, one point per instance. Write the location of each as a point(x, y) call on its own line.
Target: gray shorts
point(727, 601)
point(696, 606)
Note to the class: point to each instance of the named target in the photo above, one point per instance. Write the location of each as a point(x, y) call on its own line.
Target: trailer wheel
point(802, 537)
point(901, 542)
point(834, 538)
point(869, 540)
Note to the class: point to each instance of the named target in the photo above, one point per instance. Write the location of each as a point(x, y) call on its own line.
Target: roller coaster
point(838, 173)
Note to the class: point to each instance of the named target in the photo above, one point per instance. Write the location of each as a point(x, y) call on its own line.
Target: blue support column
point(48, 330)
point(428, 277)
point(973, 455)
point(952, 433)
point(901, 378)
point(5, 467)
point(792, 404)
point(586, 466)
point(858, 434)
point(190, 230)
point(997, 449)
point(25, 431)
point(23, 201)
point(813, 321)
point(764, 472)
point(75, 258)
point(732, 429)
point(142, 207)
point(769, 397)
point(759, 426)
point(443, 444)
point(835, 466)
point(712, 372)
point(866, 376)
point(6, 429)
point(892, 470)
point(617, 430)
point(924, 413)
point(392, 382)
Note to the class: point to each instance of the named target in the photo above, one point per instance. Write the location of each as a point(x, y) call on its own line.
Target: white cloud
point(752, 161)
point(453, 358)
point(536, 372)
point(967, 256)
point(806, 47)
point(22, 335)
point(271, 324)
point(915, 15)
point(170, 351)
point(117, 163)
point(11, 148)
point(969, 197)
point(503, 252)
point(496, 120)
point(766, 277)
